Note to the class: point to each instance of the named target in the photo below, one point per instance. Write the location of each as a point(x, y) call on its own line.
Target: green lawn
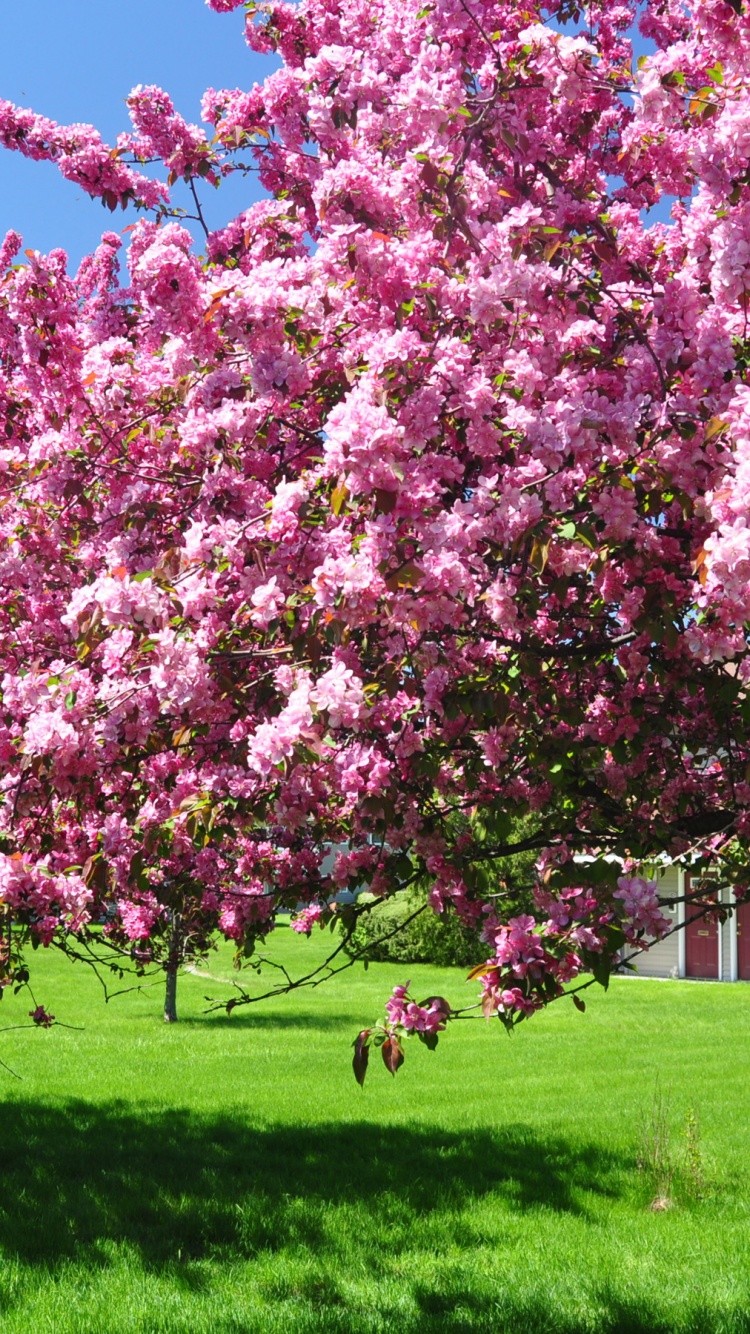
point(228, 1175)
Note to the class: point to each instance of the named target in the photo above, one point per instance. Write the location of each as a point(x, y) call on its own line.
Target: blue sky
point(77, 61)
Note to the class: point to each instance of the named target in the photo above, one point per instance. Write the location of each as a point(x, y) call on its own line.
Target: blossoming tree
point(414, 504)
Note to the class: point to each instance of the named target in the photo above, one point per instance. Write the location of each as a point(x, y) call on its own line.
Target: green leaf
point(430, 1040)
point(600, 967)
point(491, 826)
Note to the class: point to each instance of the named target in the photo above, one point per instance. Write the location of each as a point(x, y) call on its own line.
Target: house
point(716, 950)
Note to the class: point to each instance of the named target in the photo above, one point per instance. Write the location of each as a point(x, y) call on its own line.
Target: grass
point(227, 1176)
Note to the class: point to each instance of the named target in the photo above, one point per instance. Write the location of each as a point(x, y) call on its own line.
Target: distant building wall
point(667, 958)
point(663, 959)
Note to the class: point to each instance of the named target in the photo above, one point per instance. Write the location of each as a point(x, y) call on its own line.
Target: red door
point(743, 942)
point(701, 942)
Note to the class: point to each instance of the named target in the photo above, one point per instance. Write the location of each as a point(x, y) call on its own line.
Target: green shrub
point(390, 932)
point(404, 929)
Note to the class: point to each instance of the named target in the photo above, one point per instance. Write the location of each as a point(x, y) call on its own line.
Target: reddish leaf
point(393, 1056)
point(430, 175)
point(440, 1001)
point(579, 1004)
point(361, 1056)
point(385, 500)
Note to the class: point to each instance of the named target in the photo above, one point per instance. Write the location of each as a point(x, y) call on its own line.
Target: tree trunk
point(173, 963)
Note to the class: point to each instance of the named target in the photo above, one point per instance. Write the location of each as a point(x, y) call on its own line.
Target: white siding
point(663, 959)
point(725, 933)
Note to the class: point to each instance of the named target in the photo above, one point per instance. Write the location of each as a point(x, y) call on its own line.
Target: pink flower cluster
point(520, 949)
point(403, 1012)
point(80, 154)
point(50, 903)
point(641, 913)
point(160, 132)
point(139, 915)
point(304, 922)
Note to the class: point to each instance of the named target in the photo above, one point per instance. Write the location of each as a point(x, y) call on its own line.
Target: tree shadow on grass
point(459, 1310)
point(77, 1177)
point(255, 1018)
point(178, 1188)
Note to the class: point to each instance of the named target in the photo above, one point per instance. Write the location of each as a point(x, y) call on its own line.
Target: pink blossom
point(640, 906)
point(339, 691)
point(138, 917)
point(267, 600)
point(405, 1013)
point(304, 922)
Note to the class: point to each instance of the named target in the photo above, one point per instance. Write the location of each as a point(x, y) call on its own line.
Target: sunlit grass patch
point(226, 1174)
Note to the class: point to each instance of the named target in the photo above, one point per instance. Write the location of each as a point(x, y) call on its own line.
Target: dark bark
point(173, 963)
